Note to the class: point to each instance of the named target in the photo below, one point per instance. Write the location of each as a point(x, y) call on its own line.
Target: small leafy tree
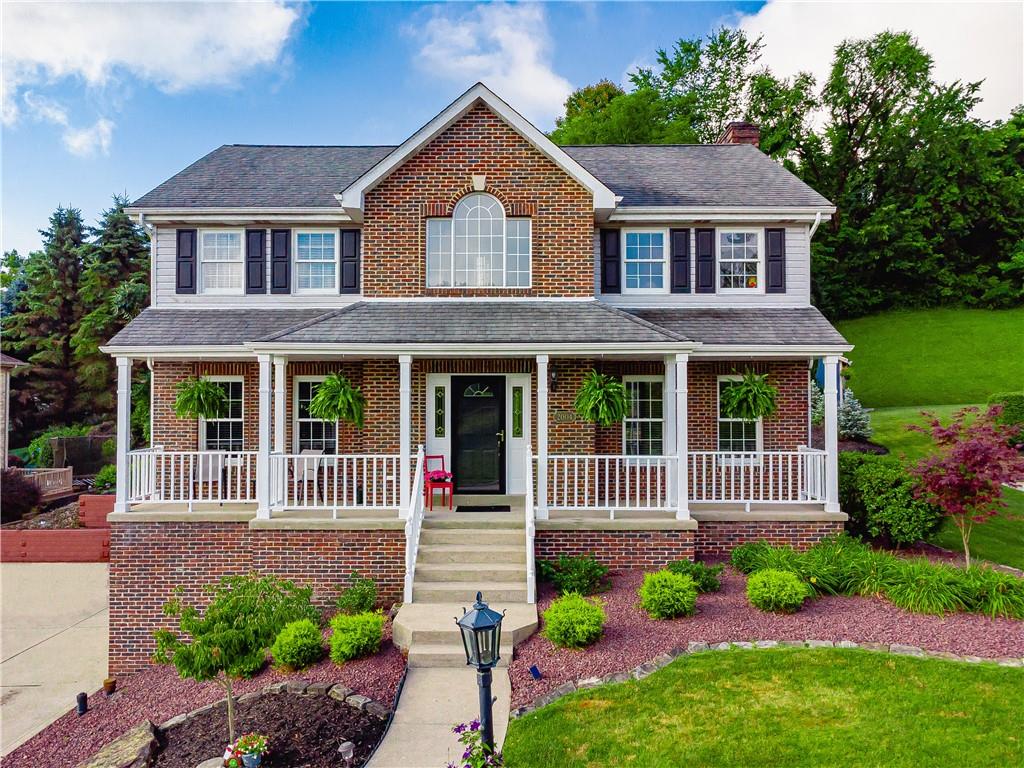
point(601, 399)
point(337, 399)
point(200, 398)
point(229, 639)
point(752, 397)
point(965, 475)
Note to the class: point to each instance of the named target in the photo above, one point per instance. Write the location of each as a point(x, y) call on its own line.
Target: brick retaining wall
point(717, 538)
point(619, 549)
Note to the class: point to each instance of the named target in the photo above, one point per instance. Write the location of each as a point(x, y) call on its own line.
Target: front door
point(478, 427)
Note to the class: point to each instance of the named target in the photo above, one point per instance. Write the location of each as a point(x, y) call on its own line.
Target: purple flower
point(474, 724)
point(460, 728)
point(468, 753)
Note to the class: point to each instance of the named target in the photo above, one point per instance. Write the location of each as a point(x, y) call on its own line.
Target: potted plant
point(602, 399)
point(250, 747)
point(200, 398)
point(336, 399)
point(752, 397)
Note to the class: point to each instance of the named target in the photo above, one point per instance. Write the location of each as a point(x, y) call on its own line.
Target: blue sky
point(101, 99)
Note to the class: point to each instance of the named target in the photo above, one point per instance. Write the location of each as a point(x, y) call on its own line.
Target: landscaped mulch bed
point(631, 638)
point(303, 731)
point(64, 516)
point(158, 694)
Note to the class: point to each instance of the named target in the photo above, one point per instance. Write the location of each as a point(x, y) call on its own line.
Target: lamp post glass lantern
point(481, 637)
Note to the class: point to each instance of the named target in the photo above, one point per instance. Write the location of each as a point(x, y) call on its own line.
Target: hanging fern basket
point(200, 399)
point(336, 399)
point(752, 397)
point(602, 399)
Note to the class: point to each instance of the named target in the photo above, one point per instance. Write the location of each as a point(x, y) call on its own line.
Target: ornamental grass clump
point(705, 577)
point(921, 586)
point(573, 621)
point(355, 636)
point(826, 566)
point(298, 645)
point(759, 555)
point(776, 591)
point(668, 595)
point(995, 593)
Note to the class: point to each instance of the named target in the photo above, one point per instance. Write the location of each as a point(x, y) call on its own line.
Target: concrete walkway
point(433, 700)
point(53, 642)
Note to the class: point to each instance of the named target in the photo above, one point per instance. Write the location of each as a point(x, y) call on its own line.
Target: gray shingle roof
point(773, 325)
point(241, 176)
point(197, 327)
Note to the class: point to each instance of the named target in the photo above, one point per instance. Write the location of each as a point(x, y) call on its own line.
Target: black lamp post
point(481, 636)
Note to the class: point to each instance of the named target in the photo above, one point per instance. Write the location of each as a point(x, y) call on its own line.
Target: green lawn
point(889, 427)
point(935, 355)
point(784, 707)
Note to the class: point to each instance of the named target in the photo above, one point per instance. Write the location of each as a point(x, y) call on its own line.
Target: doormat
point(495, 508)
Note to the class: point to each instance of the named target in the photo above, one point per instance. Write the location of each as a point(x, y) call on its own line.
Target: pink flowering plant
point(964, 477)
point(439, 476)
point(475, 754)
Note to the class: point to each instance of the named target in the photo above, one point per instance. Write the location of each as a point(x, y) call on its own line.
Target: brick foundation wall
point(619, 549)
point(719, 538)
point(148, 560)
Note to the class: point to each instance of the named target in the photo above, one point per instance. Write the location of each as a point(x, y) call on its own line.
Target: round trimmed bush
point(668, 595)
point(573, 621)
point(298, 645)
point(355, 635)
point(776, 591)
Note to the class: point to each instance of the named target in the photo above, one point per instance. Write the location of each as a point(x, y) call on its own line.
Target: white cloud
point(88, 141)
point(507, 47)
point(968, 41)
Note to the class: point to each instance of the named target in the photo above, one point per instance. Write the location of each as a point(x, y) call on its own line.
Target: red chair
point(447, 487)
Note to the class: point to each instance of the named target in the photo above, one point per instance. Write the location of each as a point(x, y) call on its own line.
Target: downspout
point(814, 226)
point(151, 231)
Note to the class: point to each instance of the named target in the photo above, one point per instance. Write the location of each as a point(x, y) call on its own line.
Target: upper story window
point(221, 262)
point(644, 258)
point(478, 247)
point(316, 261)
point(739, 261)
point(225, 433)
point(642, 429)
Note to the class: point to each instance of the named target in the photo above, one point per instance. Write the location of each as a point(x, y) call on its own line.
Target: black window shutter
point(611, 261)
point(280, 261)
point(349, 262)
point(185, 262)
point(775, 260)
point(255, 261)
point(679, 240)
point(705, 261)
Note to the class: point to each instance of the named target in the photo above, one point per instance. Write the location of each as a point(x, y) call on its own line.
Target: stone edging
point(664, 659)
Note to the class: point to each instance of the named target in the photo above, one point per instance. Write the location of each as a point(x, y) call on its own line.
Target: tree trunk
point(965, 537)
point(231, 709)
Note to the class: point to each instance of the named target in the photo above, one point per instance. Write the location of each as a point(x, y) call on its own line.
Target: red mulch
point(158, 694)
point(631, 638)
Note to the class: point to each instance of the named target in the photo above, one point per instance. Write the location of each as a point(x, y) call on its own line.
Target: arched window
point(478, 247)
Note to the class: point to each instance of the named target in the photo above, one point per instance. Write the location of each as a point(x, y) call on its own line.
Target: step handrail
point(531, 528)
point(413, 525)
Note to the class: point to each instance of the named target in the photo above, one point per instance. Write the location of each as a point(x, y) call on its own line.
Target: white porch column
point(668, 407)
point(124, 431)
point(831, 433)
point(682, 439)
point(542, 437)
point(404, 430)
point(263, 449)
point(280, 402)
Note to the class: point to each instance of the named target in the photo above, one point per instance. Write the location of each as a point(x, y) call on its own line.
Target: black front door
point(478, 440)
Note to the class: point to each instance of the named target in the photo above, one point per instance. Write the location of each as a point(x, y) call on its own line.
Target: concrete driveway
point(53, 642)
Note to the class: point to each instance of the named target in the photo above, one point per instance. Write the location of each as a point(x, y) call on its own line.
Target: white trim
point(770, 350)
point(240, 420)
point(333, 290)
point(315, 379)
point(759, 422)
point(720, 213)
point(759, 290)
point(665, 273)
point(351, 198)
point(654, 378)
point(201, 289)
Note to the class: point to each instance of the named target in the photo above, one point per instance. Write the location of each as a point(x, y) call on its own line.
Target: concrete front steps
point(429, 634)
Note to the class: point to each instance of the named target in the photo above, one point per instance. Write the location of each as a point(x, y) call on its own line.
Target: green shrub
point(827, 565)
point(870, 575)
point(705, 577)
point(776, 591)
point(995, 593)
point(668, 595)
point(360, 596)
point(760, 555)
point(106, 478)
point(1013, 410)
point(573, 621)
point(849, 494)
point(583, 575)
point(921, 586)
point(40, 452)
point(298, 645)
point(878, 494)
point(355, 635)
point(109, 448)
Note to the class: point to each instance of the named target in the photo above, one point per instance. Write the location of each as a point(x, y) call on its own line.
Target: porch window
point(312, 434)
point(220, 261)
point(225, 433)
point(644, 423)
point(739, 261)
point(316, 262)
point(478, 247)
point(736, 435)
point(644, 255)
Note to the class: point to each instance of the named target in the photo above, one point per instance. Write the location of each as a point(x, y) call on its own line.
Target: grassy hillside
point(935, 356)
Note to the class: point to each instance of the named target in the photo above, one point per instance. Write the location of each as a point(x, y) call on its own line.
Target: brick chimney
point(738, 132)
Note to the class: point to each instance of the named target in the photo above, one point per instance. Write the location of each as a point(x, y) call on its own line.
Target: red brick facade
point(718, 538)
point(618, 549)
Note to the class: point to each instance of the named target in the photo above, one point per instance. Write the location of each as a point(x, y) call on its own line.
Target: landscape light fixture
point(481, 637)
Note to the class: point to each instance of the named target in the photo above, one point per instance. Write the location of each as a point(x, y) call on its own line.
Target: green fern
point(602, 399)
point(200, 398)
point(750, 398)
point(337, 400)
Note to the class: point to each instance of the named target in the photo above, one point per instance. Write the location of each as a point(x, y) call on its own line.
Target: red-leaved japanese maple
point(964, 476)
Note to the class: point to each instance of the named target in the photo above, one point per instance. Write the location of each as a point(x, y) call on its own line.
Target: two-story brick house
point(466, 281)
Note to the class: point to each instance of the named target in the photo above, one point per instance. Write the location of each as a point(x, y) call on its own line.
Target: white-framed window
point(316, 261)
point(740, 261)
point(311, 434)
point(478, 247)
point(644, 426)
point(644, 253)
point(221, 261)
point(736, 435)
point(225, 433)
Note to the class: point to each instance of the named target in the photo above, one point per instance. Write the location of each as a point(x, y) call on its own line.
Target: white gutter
point(814, 227)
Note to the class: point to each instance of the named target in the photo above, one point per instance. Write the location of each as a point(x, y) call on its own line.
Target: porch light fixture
point(481, 638)
point(552, 377)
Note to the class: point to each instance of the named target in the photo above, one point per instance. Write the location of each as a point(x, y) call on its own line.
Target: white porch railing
point(609, 482)
point(762, 477)
point(531, 530)
point(413, 525)
point(222, 477)
point(335, 481)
